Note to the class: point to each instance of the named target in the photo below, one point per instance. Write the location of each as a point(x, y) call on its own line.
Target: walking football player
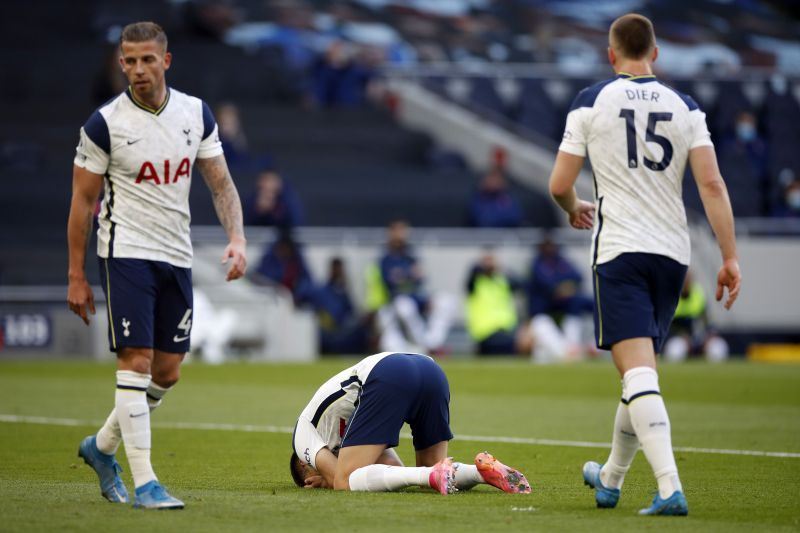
point(639, 134)
point(141, 146)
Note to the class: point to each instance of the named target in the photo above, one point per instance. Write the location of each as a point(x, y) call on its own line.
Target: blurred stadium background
point(375, 110)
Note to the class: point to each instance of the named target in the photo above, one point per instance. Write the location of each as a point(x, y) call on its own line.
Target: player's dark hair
point(297, 470)
point(139, 32)
point(632, 35)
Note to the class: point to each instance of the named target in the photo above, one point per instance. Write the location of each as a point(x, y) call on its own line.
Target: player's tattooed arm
point(229, 211)
point(226, 198)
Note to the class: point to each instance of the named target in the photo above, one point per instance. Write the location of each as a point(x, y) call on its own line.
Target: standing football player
point(639, 134)
point(142, 145)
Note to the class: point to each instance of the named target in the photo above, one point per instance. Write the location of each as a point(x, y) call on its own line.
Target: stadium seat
point(537, 112)
point(483, 96)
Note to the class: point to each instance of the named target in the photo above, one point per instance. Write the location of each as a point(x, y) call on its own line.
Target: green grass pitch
point(236, 480)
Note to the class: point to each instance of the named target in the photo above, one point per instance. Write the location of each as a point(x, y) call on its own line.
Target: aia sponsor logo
point(148, 172)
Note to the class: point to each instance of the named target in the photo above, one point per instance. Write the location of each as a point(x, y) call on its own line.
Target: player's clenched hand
point(315, 482)
point(582, 215)
point(80, 299)
point(729, 276)
point(235, 251)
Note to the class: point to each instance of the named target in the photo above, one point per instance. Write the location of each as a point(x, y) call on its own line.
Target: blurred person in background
point(211, 19)
point(342, 330)
point(743, 159)
point(283, 265)
point(554, 289)
point(273, 203)
point(234, 141)
point(142, 144)
point(212, 329)
point(338, 78)
point(110, 80)
point(790, 202)
point(232, 135)
point(690, 332)
point(491, 205)
point(493, 322)
point(491, 309)
point(410, 319)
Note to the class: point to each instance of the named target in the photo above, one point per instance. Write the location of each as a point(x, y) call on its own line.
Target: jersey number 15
point(650, 136)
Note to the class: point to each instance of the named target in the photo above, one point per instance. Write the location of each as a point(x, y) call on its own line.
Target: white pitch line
point(251, 428)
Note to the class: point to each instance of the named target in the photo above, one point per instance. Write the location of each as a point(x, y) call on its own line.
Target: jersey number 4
point(650, 136)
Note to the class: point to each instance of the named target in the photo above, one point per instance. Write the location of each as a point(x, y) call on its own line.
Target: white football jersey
point(324, 420)
point(637, 133)
point(146, 156)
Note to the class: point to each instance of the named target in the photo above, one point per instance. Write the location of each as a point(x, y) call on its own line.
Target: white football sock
point(391, 335)
point(110, 436)
point(440, 320)
point(549, 344)
point(133, 415)
point(155, 393)
point(408, 311)
point(382, 478)
point(467, 476)
point(573, 327)
point(650, 421)
point(624, 445)
point(676, 349)
point(716, 349)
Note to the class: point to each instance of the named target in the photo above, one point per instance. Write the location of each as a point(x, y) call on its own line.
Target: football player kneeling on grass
point(345, 436)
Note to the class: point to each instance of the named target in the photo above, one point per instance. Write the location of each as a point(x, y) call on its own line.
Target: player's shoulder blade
point(106, 108)
point(690, 103)
point(96, 126)
point(588, 96)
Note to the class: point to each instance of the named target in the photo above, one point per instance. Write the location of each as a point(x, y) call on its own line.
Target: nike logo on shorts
point(140, 414)
point(179, 339)
point(130, 142)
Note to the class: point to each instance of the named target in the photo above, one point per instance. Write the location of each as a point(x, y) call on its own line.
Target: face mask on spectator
point(793, 199)
point(746, 131)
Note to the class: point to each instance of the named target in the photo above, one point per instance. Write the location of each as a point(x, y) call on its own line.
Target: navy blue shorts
point(402, 388)
point(502, 342)
point(149, 304)
point(636, 295)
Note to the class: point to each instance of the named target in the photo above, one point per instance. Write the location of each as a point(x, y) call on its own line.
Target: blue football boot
point(107, 468)
point(152, 495)
point(675, 505)
point(605, 497)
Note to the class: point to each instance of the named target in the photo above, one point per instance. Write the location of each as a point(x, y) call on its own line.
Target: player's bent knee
point(341, 482)
point(137, 360)
point(166, 379)
point(166, 368)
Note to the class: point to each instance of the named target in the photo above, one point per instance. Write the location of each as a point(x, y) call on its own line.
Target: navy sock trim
point(639, 395)
point(131, 387)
